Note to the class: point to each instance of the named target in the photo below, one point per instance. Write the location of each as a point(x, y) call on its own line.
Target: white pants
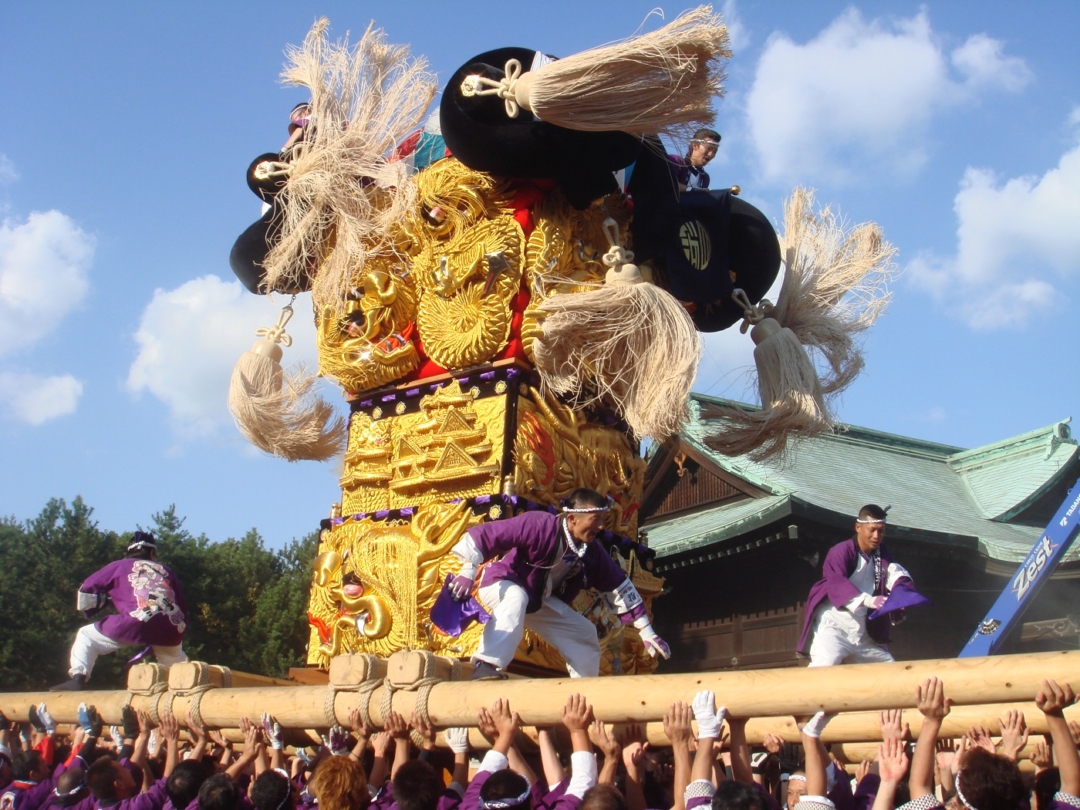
point(91, 642)
point(829, 648)
point(556, 622)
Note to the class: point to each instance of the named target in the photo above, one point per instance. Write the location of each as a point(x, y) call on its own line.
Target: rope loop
point(752, 313)
point(366, 690)
point(505, 88)
point(276, 333)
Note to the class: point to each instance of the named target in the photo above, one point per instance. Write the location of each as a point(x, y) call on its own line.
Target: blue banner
point(1028, 579)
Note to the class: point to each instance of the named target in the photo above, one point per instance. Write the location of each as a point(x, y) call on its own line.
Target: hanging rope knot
point(752, 313)
point(505, 88)
point(618, 259)
point(272, 170)
point(276, 333)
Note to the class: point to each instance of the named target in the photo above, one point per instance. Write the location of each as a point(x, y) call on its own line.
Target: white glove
point(816, 724)
point(874, 602)
point(272, 729)
point(458, 740)
point(337, 740)
point(46, 719)
point(653, 643)
point(117, 735)
point(709, 718)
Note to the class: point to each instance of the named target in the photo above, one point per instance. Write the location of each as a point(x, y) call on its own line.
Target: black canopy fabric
point(480, 134)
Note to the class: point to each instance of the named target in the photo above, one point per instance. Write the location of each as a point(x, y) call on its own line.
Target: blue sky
point(128, 129)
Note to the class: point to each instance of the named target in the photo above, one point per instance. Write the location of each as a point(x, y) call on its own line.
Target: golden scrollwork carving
point(467, 285)
point(371, 343)
point(557, 450)
point(564, 253)
point(375, 581)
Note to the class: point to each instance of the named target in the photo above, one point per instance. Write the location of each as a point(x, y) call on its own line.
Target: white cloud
point(8, 174)
point(34, 399)
point(861, 95)
point(1011, 236)
point(189, 340)
point(43, 276)
point(982, 62)
point(737, 33)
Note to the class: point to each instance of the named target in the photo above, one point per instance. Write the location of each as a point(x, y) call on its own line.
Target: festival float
point(510, 291)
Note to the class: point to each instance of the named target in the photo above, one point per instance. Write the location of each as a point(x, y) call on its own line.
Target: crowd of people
point(581, 764)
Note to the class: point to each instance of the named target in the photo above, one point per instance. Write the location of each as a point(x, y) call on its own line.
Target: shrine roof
point(995, 498)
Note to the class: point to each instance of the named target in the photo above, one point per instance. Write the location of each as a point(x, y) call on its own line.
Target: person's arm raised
point(1052, 701)
point(577, 716)
point(933, 706)
point(678, 730)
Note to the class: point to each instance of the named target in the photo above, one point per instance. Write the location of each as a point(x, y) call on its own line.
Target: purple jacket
point(555, 800)
point(686, 174)
point(840, 563)
point(527, 545)
point(153, 799)
point(151, 604)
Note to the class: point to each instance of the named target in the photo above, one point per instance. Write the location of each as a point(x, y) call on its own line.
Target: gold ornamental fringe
point(664, 81)
point(343, 200)
point(633, 346)
point(835, 287)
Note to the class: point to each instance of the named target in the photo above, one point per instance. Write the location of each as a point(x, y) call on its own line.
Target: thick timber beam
point(641, 698)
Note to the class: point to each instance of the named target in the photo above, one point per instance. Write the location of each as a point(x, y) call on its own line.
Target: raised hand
point(603, 738)
point(893, 725)
point(1053, 699)
point(424, 729)
point(677, 723)
point(396, 726)
point(577, 714)
point(506, 722)
point(1014, 734)
point(931, 699)
point(892, 760)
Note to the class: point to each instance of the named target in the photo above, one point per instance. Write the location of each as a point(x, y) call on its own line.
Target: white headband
point(959, 793)
point(502, 804)
point(875, 520)
point(584, 510)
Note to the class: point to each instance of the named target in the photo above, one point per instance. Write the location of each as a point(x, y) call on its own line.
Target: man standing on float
point(150, 610)
point(859, 576)
point(537, 565)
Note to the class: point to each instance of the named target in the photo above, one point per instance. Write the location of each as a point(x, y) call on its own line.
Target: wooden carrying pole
point(644, 698)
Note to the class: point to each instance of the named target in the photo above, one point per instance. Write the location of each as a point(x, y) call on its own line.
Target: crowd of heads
point(704, 759)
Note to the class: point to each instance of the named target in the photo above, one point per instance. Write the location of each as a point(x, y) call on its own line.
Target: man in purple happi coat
point(858, 576)
point(537, 563)
point(151, 611)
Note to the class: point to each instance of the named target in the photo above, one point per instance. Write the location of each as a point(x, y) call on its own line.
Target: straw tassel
point(835, 287)
point(277, 413)
point(664, 81)
point(343, 202)
point(629, 343)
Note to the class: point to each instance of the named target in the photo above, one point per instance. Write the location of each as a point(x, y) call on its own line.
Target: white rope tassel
point(628, 344)
point(834, 288)
point(281, 414)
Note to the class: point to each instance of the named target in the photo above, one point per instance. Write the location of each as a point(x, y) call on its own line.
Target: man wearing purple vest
point(150, 611)
point(858, 577)
point(537, 563)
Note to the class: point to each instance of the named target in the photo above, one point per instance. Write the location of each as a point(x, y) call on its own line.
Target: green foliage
point(246, 604)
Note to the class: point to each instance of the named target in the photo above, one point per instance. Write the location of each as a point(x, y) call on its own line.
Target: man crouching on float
point(538, 563)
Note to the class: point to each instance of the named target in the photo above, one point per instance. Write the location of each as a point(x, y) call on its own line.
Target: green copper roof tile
point(932, 487)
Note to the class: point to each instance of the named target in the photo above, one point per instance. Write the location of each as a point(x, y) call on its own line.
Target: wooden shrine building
point(740, 543)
